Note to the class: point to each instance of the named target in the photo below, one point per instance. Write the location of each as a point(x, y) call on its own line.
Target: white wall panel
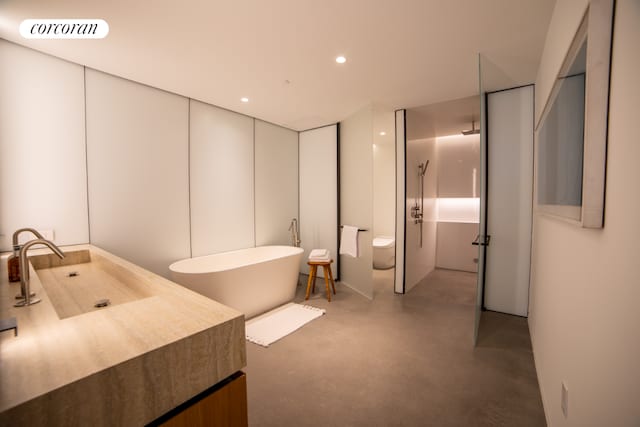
point(356, 197)
point(222, 190)
point(454, 248)
point(276, 182)
point(43, 182)
point(584, 284)
point(319, 192)
point(384, 173)
point(137, 150)
point(458, 166)
point(420, 260)
point(459, 209)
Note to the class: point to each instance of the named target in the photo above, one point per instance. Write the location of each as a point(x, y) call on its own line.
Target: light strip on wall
point(458, 209)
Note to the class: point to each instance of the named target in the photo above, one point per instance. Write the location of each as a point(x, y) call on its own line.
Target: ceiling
point(281, 53)
point(443, 118)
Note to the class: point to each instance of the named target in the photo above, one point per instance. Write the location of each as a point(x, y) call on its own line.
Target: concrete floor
point(398, 361)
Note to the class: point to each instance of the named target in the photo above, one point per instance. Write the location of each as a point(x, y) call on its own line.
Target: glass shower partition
point(481, 240)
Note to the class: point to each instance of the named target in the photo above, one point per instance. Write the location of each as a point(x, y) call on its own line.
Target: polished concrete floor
point(398, 361)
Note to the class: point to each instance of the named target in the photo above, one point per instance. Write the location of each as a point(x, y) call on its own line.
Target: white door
point(509, 200)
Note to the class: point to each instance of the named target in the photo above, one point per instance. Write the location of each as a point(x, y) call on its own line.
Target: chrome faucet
point(24, 270)
point(20, 230)
point(16, 251)
point(293, 228)
point(16, 246)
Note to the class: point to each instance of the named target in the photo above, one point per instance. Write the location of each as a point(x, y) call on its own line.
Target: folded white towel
point(319, 253)
point(349, 241)
point(320, 259)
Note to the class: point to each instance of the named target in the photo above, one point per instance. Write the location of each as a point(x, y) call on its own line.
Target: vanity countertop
point(126, 364)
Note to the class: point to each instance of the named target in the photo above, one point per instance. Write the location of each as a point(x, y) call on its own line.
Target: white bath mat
point(280, 322)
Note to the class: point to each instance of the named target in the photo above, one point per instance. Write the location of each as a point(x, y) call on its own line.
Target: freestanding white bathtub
point(252, 280)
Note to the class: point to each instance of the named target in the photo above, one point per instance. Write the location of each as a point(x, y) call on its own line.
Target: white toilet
point(384, 252)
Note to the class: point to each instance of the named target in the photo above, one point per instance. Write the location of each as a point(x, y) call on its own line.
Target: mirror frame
point(596, 27)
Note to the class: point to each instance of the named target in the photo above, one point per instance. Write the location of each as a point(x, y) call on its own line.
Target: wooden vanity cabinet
point(223, 405)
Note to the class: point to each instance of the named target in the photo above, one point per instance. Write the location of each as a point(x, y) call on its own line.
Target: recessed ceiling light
point(244, 99)
point(341, 59)
point(383, 133)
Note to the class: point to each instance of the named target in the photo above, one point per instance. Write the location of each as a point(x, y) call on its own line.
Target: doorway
point(439, 208)
point(467, 195)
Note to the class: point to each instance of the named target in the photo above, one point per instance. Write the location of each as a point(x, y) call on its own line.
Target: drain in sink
point(102, 303)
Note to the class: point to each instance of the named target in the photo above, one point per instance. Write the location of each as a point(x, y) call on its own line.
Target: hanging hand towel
point(349, 241)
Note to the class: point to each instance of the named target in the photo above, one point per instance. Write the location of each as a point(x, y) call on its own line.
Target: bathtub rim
point(299, 251)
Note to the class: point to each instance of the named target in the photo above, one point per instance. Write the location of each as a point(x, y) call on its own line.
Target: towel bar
point(359, 229)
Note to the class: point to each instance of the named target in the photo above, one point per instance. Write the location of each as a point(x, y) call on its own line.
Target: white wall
point(139, 176)
point(137, 160)
point(221, 167)
point(384, 173)
point(384, 189)
point(454, 249)
point(43, 181)
point(566, 18)
point(584, 312)
point(420, 261)
point(458, 202)
point(276, 183)
point(458, 165)
point(356, 197)
point(461, 210)
point(319, 193)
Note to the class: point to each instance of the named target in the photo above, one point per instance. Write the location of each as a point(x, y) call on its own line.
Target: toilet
point(384, 252)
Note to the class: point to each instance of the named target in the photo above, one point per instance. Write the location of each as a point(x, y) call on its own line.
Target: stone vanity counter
point(125, 364)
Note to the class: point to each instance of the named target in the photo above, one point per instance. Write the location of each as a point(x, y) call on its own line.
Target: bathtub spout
point(295, 237)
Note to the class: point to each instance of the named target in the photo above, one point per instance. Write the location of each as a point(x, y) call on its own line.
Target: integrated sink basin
point(156, 346)
point(83, 281)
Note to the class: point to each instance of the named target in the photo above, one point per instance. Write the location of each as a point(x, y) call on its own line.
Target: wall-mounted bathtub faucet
point(295, 237)
point(24, 273)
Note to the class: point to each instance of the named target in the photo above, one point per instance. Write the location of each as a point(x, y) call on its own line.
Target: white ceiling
point(444, 118)
point(400, 53)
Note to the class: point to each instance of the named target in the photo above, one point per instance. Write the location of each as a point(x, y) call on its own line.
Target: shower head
point(473, 130)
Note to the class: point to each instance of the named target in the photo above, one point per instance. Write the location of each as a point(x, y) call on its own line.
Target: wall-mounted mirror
point(571, 136)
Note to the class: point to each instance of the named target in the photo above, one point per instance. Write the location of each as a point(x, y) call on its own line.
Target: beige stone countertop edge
point(50, 354)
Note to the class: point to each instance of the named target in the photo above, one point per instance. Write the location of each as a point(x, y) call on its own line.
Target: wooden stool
point(328, 275)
